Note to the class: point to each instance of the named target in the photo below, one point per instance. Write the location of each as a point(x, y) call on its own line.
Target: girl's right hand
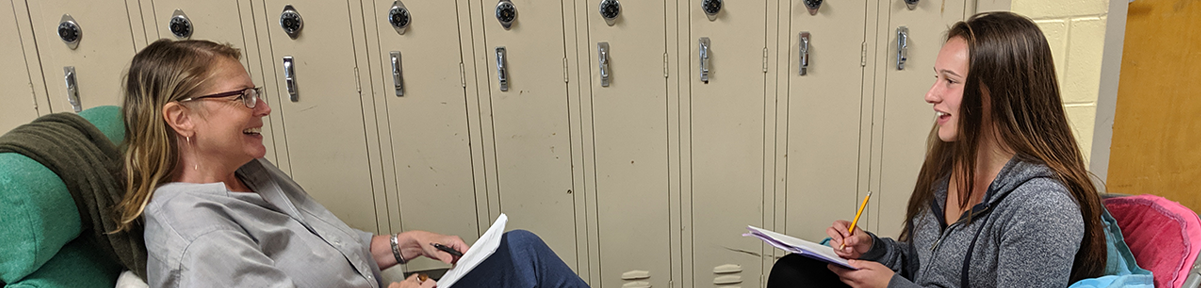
point(856, 243)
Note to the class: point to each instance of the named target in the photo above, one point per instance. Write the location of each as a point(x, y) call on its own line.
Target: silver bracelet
point(396, 250)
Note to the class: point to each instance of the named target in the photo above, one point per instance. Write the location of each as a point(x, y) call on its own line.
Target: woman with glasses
point(218, 215)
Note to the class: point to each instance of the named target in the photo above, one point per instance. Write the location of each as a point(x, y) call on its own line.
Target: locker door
point(323, 123)
point(728, 139)
point(217, 21)
point(629, 132)
point(529, 121)
point(427, 125)
point(103, 52)
point(17, 105)
point(907, 118)
point(824, 119)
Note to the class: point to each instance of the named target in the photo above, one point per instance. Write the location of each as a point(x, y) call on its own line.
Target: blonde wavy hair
point(163, 72)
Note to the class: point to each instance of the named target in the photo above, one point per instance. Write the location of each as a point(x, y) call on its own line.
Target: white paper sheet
point(798, 246)
point(478, 252)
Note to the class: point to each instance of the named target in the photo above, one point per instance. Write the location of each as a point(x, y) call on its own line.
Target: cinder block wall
point(1076, 31)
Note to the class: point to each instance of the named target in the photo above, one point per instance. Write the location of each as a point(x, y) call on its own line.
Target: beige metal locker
point(728, 113)
point(94, 68)
point(316, 80)
point(624, 109)
point(526, 105)
point(427, 156)
point(905, 118)
point(824, 118)
point(17, 103)
point(218, 21)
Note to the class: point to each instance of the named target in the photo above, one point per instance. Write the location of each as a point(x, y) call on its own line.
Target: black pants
point(800, 271)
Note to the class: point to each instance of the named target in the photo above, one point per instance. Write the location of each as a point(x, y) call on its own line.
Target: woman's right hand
point(856, 243)
point(413, 282)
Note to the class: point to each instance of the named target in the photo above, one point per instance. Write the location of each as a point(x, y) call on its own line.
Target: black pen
point(449, 250)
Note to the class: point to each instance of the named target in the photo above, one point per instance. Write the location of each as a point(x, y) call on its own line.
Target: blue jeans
point(522, 260)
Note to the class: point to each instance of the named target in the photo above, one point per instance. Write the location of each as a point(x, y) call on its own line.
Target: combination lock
point(180, 25)
point(69, 31)
point(291, 22)
point(506, 13)
point(609, 9)
point(711, 8)
point(813, 5)
point(399, 17)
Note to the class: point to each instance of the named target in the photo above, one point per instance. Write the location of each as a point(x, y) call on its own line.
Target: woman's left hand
point(420, 243)
point(870, 274)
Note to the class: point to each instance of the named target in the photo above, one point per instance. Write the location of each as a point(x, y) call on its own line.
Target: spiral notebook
point(799, 246)
point(478, 252)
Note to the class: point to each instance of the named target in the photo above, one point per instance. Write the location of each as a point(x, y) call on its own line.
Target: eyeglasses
point(249, 96)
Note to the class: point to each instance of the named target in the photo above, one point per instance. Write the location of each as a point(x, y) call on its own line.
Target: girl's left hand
point(871, 274)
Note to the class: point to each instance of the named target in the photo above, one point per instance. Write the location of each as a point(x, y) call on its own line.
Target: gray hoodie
point(1024, 233)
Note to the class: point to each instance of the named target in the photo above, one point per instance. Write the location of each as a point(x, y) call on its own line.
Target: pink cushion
point(1163, 235)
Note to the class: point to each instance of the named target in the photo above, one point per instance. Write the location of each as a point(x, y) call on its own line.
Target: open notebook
point(804, 248)
point(478, 252)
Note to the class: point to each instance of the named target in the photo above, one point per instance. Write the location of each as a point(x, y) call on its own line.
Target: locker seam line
point(152, 14)
point(282, 133)
point(379, 135)
point(862, 94)
point(884, 105)
point(388, 201)
point(466, 122)
point(25, 57)
point(691, 134)
point(592, 122)
point(492, 127)
point(129, 21)
point(787, 128)
point(362, 111)
point(283, 122)
point(571, 134)
point(667, 146)
point(492, 122)
point(143, 17)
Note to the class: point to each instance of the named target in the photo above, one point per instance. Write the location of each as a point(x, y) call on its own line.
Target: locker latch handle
point(902, 46)
point(290, 79)
point(704, 54)
point(72, 88)
point(502, 73)
point(397, 80)
point(804, 53)
point(602, 53)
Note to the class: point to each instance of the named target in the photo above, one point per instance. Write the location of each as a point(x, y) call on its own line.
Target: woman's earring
point(194, 165)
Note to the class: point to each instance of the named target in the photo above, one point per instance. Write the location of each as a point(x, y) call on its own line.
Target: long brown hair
point(1010, 66)
point(163, 72)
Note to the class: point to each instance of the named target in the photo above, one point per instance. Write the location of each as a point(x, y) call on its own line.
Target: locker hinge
point(564, 69)
point(671, 284)
point(863, 54)
point(357, 86)
point(462, 76)
point(664, 64)
point(764, 59)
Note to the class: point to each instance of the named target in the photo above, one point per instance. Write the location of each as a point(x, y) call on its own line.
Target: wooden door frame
point(1107, 97)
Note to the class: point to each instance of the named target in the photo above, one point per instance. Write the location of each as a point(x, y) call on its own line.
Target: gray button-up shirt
point(203, 235)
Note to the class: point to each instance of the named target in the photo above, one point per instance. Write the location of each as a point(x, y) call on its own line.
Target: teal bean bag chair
point(38, 246)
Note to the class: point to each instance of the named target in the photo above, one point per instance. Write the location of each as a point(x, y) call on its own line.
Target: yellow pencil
point(851, 230)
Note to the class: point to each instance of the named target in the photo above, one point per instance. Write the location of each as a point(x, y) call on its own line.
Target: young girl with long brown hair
point(1002, 199)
